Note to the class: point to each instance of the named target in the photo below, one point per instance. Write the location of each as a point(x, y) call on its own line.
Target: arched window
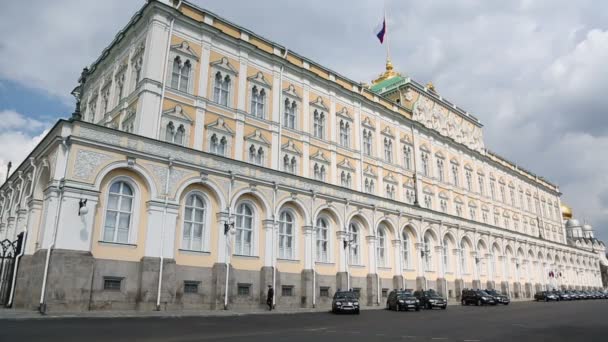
point(343, 178)
point(214, 144)
point(179, 135)
point(455, 174)
point(381, 247)
point(118, 213)
point(407, 157)
point(169, 132)
point(319, 172)
point(258, 101)
point(222, 146)
point(440, 169)
point(390, 191)
point(388, 150)
point(184, 76)
point(322, 237)
point(286, 166)
point(286, 235)
point(244, 230)
point(293, 165)
point(290, 114)
point(194, 223)
point(354, 244)
point(252, 154)
point(446, 254)
point(221, 89)
point(344, 133)
point(406, 250)
point(425, 164)
point(318, 124)
point(367, 142)
point(175, 73)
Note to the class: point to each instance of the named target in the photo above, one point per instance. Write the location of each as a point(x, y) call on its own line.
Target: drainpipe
point(274, 255)
point(313, 254)
point(164, 79)
point(42, 307)
point(24, 240)
point(162, 235)
point(227, 244)
point(280, 104)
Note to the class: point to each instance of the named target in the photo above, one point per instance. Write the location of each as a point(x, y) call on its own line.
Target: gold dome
point(388, 74)
point(566, 211)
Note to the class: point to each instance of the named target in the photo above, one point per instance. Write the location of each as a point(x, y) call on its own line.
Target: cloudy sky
point(533, 71)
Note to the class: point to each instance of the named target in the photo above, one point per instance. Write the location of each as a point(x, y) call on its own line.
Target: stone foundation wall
point(77, 282)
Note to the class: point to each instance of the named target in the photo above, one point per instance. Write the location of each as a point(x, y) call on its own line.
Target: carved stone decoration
point(447, 123)
point(160, 176)
point(409, 95)
point(98, 135)
point(87, 162)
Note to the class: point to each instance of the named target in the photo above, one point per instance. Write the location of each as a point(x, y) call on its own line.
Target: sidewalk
point(19, 314)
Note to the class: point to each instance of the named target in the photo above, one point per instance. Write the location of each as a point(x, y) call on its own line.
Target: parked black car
point(345, 301)
point(402, 300)
point(477, 297)
point(545, 296)
point(573, 295)
point(499, 297)
point(431, 299)
point(561, 295)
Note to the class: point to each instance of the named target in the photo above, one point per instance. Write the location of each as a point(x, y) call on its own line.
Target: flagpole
point(388, 47)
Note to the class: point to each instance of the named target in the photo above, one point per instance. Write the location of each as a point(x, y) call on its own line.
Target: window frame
point(135, 210)
point(206, 233)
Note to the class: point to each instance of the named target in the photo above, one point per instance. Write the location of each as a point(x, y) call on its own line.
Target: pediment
point(345, 164)
point(184, 48)
point(257, 137)
point(220, 126)
point(344, 113)
point(291, 147)
point(387, 131)
point(369, 171)
point(368, 123)
point(390, 178)
point(259, 79)
point(177, 113)
point(318, 102)
point(225, 65)
point(291, 92)
point(319, 156)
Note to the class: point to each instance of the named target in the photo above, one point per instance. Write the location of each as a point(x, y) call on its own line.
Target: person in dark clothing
point(269, 297)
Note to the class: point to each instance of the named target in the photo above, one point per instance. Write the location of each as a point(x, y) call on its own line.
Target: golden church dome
point(566, 211)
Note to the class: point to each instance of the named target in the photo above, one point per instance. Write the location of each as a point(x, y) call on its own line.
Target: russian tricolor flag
point(381, 30)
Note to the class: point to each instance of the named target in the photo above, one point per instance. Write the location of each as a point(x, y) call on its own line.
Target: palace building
point(207, 162)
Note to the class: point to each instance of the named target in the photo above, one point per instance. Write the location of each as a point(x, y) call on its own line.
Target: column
point(491, 283)
point(342, 276)
point(421, 278)
point(441, 282)
point(458, 282)
point(398, 265)
point(372, 278)
point(199, 129)
point(476, 261)
point(239, 137)
point(221, 218)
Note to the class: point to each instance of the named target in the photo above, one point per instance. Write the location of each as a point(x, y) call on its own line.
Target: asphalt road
point(527, 321)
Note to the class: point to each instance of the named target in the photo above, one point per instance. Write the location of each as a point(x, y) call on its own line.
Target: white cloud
point(18, 137)
point(10, 119)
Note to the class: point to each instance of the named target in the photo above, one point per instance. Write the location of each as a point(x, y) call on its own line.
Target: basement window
point(287, 291)
point(190, 286)
point(324, 291)
point(244, 289)
point(112, 283)
point(384, 293)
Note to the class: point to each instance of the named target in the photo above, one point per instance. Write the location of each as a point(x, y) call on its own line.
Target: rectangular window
point(384, 293)
point(324, 291)
point(287, 291)
point(244, 289)
point(190, 286)
point(112, 283)
point(357, 291)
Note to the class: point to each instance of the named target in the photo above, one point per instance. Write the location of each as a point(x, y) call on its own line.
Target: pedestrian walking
point(269, 297)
